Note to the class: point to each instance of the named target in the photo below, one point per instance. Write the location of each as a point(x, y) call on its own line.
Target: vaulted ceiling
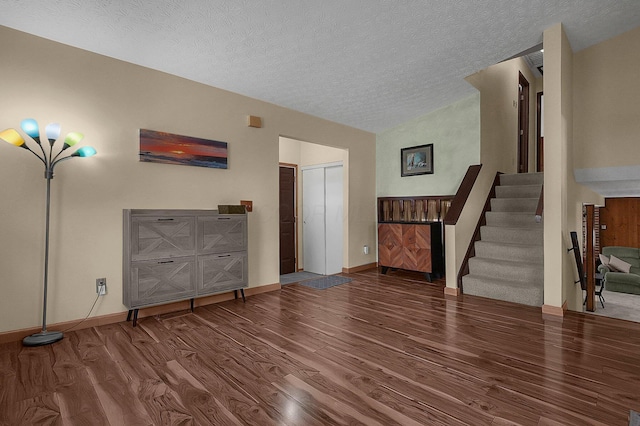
point(368, 64)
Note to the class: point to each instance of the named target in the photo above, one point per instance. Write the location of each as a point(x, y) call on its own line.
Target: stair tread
point(512, 245)
point(506, 283)
point(509, 263)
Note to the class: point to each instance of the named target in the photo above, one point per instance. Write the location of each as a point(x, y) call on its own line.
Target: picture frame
point(168, 148)
point(416, 160)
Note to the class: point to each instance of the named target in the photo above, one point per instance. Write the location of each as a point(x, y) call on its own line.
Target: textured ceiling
point(368, 64)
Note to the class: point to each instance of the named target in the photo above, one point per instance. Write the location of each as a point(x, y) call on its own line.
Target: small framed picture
point(417, 160)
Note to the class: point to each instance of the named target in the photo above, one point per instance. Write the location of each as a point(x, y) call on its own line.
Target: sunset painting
point(167, 148)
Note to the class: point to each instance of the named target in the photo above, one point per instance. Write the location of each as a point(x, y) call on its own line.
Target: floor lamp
point(49, 160)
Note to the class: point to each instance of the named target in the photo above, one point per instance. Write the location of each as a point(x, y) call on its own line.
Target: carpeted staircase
point(508, 264)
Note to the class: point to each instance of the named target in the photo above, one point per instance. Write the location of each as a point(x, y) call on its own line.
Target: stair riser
point(524, 236)
point(529, 273)
point(531, 254)
point(532, 296)
point(512, 219)
point(522, 179)
point(518, 191)
point(528, 205)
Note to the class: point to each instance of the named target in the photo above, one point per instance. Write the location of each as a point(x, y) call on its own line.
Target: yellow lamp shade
point(12, 136)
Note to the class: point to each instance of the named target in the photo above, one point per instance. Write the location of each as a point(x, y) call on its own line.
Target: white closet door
point(313, 225)
point(333, 219)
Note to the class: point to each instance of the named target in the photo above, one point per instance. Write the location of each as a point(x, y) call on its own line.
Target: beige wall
point(563, 196)
point(606, 98)
point(109, 101)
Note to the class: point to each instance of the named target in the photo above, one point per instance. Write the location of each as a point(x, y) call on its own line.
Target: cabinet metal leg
point(129, 315)
point(235, 294)
point(242, 292)
point(191, 304)
point(135, 317)
point(384, 270)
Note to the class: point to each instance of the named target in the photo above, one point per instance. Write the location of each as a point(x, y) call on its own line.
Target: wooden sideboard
point(410, 233)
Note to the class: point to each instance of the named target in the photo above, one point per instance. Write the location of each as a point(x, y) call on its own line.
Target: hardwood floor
point(380, 350)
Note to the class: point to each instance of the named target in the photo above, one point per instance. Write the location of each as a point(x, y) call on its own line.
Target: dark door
point(287, 220)
point(523, 124)
point(539, 135)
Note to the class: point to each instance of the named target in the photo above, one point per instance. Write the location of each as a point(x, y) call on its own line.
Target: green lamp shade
point(30, 127)
point(53, 132)
point(12, 136)
point(85, 151)
point(72, 139)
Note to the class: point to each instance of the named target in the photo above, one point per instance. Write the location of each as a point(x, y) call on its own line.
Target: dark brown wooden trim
point(460, 199)
point(590, 264)
point(471, 251)
point(360, 268)
point(540, 208)
point(17, 335)
point(539, 138)
point(523, 124)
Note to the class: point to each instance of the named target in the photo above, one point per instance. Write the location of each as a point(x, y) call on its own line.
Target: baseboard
point(360, 268)
point(449, 291)
point(17, 335)
point(556, 311)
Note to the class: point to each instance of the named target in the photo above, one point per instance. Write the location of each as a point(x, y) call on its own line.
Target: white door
point(313, 204)
point(333, 219)
point(322, 211)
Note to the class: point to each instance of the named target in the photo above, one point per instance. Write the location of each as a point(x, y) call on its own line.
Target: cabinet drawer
point(222, 234)
point(162, 280)
point(162, 237)
point(222, 272)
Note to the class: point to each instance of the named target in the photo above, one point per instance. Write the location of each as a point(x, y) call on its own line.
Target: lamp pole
point(30, 127)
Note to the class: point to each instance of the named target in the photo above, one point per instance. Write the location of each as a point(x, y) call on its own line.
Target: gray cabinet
point(172, 255)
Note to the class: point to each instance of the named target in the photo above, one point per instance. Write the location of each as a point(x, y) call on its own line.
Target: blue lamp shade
point(30, 127)
point(12, 136)
point(53, 132)
point(85, 151)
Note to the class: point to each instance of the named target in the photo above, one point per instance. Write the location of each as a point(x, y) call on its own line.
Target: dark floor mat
point(326, 282)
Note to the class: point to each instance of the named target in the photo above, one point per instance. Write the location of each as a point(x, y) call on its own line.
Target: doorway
point(523, 124)
point(288, 239)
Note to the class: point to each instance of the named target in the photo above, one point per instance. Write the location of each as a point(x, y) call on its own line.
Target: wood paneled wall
point(621, 216)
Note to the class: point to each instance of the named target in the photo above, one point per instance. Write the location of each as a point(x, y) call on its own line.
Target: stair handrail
point(540, 207)
point(462, 194)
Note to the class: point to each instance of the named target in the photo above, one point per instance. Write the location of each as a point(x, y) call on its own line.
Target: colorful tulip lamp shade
point(49, 159)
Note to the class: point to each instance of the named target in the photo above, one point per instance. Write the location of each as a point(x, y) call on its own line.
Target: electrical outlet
point(101, 286)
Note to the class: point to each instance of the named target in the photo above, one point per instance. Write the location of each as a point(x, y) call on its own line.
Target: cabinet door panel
point(390, 245)
point(417, 259)
point(217, 273)
point(422, 236)
point(159, 281)
point(161, 237)
point(222, 234)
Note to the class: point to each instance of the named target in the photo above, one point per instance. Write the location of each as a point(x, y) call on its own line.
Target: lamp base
point(42, 338)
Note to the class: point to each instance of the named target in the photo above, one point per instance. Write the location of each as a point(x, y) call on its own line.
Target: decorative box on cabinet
point(173, 255)
point(410, 233)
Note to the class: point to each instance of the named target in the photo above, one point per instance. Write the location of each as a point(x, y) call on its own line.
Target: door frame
point(523, 124)
point(539, 132)
point(295, 207)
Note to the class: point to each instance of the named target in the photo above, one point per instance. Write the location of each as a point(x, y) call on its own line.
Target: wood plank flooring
point(380, 350)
